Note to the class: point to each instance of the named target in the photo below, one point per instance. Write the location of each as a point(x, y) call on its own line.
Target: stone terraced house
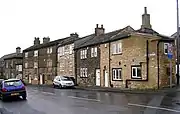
point(125, 58)
point(12, 65)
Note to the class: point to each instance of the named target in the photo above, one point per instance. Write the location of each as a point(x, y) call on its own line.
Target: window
point(49, 50)
point(26, 65)
point(61, 51)
point(136, 72)
point(49, 63)
point(94, 52)
point(36, 53)
point(166, 48)
point(18, 67)
point(117, 48)
point(71, 47)
point(83, 54)
point(35, 65)
point(26, 54)
point(6, 65)
point(83, 72)
point(117, 74)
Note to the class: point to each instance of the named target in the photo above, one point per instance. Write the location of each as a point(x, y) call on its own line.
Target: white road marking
point(160, 108)
point(48, 93)
point(84, 98)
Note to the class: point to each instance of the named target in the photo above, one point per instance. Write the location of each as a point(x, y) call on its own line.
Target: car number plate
point(14, 94)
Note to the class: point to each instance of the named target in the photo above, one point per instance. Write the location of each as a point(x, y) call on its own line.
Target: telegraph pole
point(177, 41)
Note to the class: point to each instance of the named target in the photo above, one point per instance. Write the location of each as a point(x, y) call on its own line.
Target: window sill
point(117, 80)
point(83, 77)
point(138, 78)
point(117, 53)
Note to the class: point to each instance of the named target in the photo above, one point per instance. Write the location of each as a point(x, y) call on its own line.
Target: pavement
point(47, 100)
point(120, 90)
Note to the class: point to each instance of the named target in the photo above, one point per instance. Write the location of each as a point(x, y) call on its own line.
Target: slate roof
point(147, 30)
point(92, 39)
point(12, 55)
point(62, 41)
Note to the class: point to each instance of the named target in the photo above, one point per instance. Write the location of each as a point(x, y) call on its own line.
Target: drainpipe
point(158, 63)
point(109, 64)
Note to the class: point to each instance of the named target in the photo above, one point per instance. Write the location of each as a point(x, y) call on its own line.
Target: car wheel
point(54, 86)
point(3, 98)
point(60, 86)
point(24, 97)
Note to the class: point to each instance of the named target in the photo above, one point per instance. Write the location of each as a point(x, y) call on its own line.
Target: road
point(45, 100)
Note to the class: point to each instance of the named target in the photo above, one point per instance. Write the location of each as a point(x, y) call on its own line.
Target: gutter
point(147, 66)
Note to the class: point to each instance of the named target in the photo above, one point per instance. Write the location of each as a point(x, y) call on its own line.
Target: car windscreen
point(12, 83)
point(65, 78)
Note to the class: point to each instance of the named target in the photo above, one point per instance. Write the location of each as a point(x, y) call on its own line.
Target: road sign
point(170, 51)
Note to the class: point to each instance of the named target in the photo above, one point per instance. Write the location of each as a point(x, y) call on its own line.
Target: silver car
point(63, 82)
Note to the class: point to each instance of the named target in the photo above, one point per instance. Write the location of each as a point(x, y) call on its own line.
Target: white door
point(41, 79)
point(30, 79)
point(106, 78)
point(98, 77)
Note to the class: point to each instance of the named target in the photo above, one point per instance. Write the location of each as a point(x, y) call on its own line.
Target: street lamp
point(177, 42)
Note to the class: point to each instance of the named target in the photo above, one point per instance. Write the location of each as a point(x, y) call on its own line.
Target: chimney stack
point(99, 31)
point(18, 50)
point(146, 19)
point(75, 35)
point(36, 41)
point(46, 39)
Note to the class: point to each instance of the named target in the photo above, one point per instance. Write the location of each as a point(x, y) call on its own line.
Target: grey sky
point(22, 20)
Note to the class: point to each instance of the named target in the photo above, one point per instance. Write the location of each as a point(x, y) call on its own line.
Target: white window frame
point(61, 51)
point(49, 63)
point(35, 53)
point(26, 65)
point(35, 64)
point(136, 70)
point(83, 72)
point(83, 54)
point(117, 48)
point(7, 65)
point(166, 44)
point(94, 52)
point(26, 55)
point(117, 73)
point(71, 48)
point(20, 68)
point(49, 50)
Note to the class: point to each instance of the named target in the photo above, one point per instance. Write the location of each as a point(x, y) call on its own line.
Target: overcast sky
point(22, 20)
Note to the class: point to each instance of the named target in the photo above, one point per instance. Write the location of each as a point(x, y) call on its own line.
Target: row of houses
point(124, 58)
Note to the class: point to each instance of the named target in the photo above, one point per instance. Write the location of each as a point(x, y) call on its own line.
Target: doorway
point(98, 77)
point(106, 78)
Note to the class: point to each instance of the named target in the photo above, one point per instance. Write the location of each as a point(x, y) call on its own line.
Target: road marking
point(48, 93)
point(84, 98)
point(146, 106)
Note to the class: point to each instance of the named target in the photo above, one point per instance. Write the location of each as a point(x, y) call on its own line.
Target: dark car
point(12, 88)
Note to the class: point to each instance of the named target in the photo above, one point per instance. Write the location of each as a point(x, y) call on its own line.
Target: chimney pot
point(145, 10)
point(102, 26)
point(97, 25)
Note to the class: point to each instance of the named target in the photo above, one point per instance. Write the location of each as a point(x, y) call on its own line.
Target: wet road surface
point(44, 100)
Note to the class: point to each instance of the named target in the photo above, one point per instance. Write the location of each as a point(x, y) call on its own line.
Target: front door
point(98, 77)
point(41, 79)
point(106, 79)
point(29, 79)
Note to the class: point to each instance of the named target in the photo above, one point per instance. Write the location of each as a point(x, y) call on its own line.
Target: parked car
point(12, 88)
point(63, 82)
